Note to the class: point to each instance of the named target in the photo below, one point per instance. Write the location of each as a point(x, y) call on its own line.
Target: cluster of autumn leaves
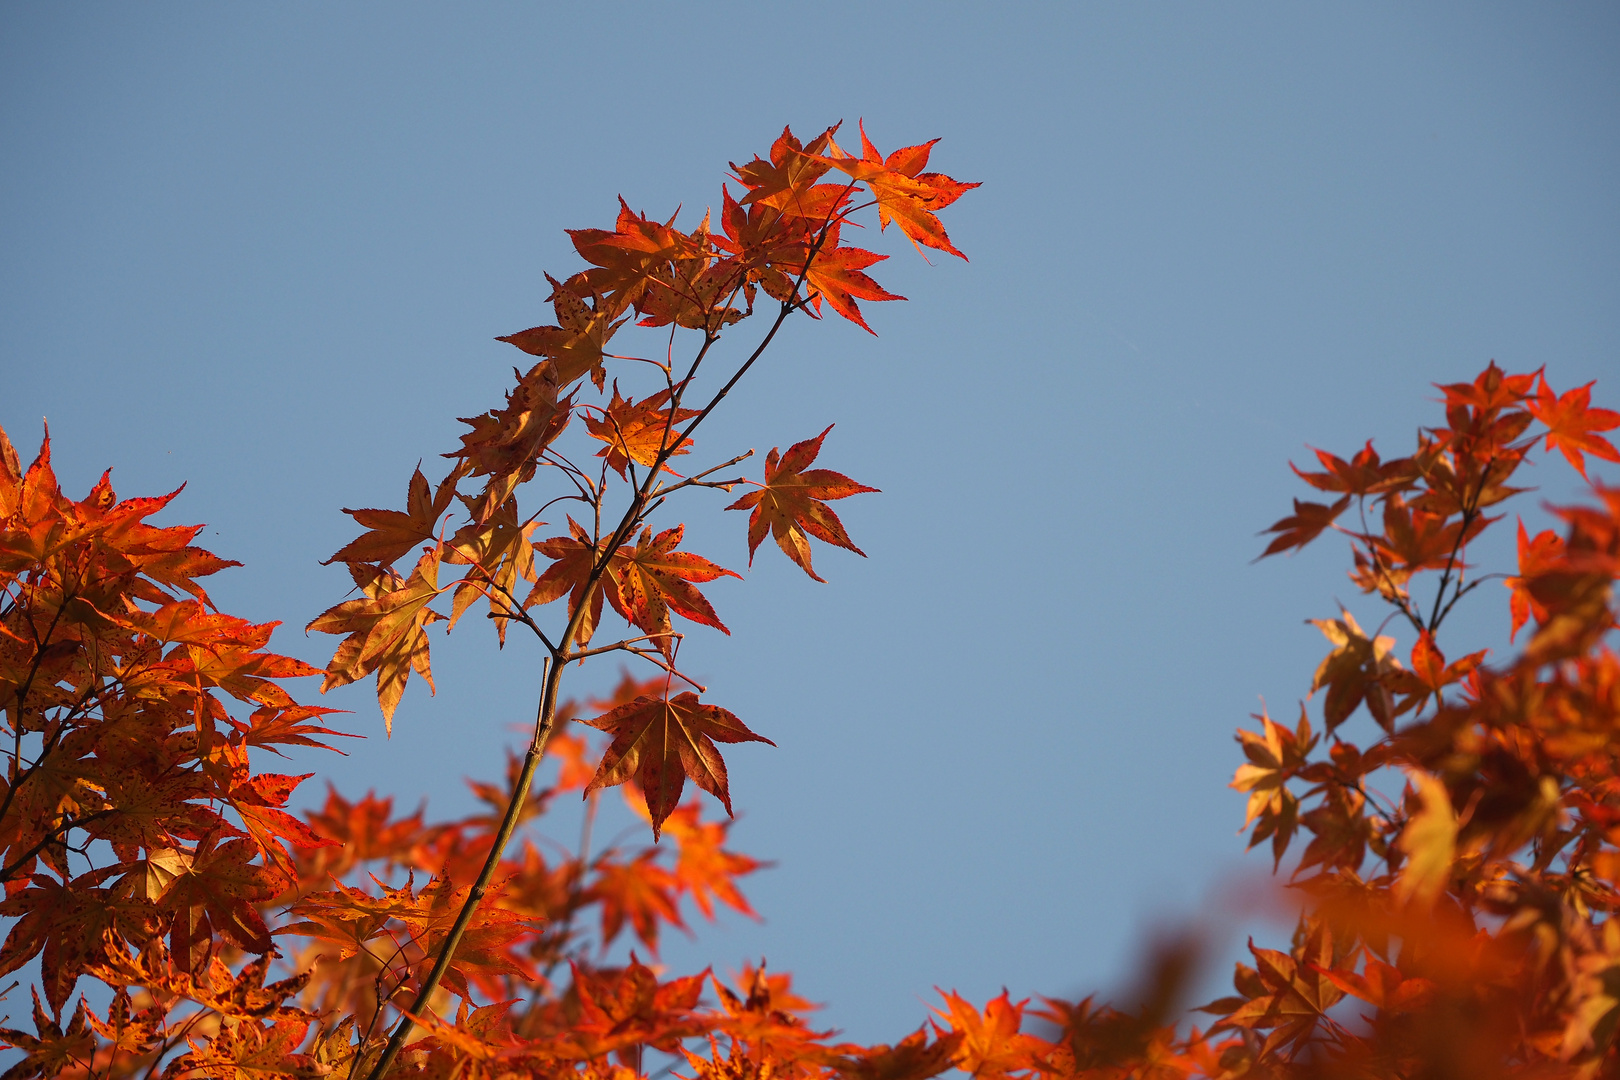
point(1462, 858)
point(1457, 926)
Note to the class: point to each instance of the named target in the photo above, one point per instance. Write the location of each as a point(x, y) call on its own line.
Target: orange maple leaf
point(783, 182)
point(1429, 675)
point(365, 830)
point(905, 194)
point(704, 869)
point(64, 921)
point(506, 444)
point(660, 742)
point(1379, 984)
point(637, 256)
point(574, 558)
point(478, 1035)
point(652, 579)
point(991, 1044)
point(243, 995)
point(1275, 755)
point(1572, 424)
point(1416, 539)
point(353, 918)
point(1362, 475)
point(696, 291)
point(1535, 557)
point(272, 726)
point(570, 751)
point(768, 1018)
point(258, 800)
point(1285, 994)
point(576, 345)
point(767, 249)
point(789, 504)
point(395, 532)
point(1354, 671)
point(126, 1028)
point(499, 552)
point(912, 1058)
point(1491, 391)
point(1307, 522)
point(219, 891)
point(51, 1050)
point(835, 275)
point(628, 1006)
point(638, 431)
point(641, 891)
point(250, 1051)
point(387, 632)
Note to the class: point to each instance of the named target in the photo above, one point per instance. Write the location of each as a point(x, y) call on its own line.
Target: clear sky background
point(263, 250)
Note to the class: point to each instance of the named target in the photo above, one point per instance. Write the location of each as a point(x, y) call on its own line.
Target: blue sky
point(263, 250)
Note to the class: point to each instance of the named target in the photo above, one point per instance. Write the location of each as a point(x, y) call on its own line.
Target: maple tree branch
point(170, 1041)
point(16, 760)
point(696, 480)
point(1388, 807)
point(22, 690)
point(581, 482)
point(57, 835)
point(788, 307)
point(1469, 512)
point(1399, 601)
point(635, 511)
point(47, 744)
point(371, 1025)
point(1463, 591)
point(638, 503)
point(716, 485)
point(659, 364)
point(652, 656)
point(547, 709)
point(519, 615)
point(544, 722)
point(581, 497)
point(656, 658)
point(596, 502)
point(516, 611)
point(546, 718)
point(627, 645)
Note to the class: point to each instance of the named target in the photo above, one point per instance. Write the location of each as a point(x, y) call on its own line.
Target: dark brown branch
point(1469, 513)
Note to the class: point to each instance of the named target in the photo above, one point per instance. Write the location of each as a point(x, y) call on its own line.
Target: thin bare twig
point(627, 645)
point(696, 480)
